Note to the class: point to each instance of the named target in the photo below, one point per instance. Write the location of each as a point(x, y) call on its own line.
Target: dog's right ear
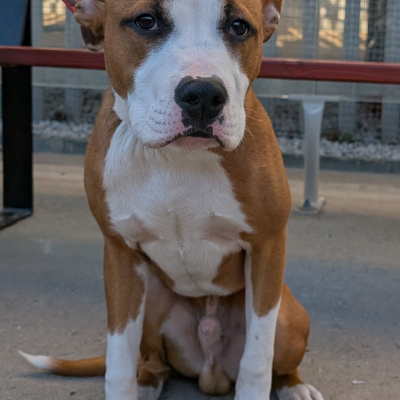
point(272, 15)
point(90, 14)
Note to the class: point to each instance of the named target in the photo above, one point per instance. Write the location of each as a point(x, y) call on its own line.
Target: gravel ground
point(369, 151)
point(369, 148)
point(65, 130)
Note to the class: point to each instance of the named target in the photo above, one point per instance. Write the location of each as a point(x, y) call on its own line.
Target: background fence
point(351, 30)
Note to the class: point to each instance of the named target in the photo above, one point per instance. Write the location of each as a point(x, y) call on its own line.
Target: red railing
point(58, 58)
point(338, 71)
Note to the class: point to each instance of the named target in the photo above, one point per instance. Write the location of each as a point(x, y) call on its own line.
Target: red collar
point(70, 4)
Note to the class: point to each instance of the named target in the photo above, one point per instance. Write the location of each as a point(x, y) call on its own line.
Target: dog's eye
point(239, 27)
point(146, 22)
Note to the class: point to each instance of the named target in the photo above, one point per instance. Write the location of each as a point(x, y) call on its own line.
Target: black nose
point(201, 99)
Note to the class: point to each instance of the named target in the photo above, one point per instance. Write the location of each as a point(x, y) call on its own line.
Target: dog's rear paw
point(299, 392)
point(149, 392)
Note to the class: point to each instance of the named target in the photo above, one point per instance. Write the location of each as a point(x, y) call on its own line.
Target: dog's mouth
point(206, 133)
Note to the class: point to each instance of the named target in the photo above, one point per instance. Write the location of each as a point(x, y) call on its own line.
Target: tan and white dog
point(186, 181)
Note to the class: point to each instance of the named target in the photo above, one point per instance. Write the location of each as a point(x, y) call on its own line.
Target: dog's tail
point(82, 368)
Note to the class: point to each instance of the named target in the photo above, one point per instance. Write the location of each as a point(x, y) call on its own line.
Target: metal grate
point(333, 29)
point(348, 30)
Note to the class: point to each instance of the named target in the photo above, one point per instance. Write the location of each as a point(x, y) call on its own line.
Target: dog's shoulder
point(106, 125)
point(257, 172)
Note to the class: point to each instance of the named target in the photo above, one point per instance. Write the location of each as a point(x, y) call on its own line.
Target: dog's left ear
point(271, 15)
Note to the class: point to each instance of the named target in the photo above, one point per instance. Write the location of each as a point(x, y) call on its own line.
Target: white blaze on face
point(195, 48)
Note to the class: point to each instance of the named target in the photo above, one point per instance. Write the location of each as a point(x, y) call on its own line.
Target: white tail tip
point(42, 362)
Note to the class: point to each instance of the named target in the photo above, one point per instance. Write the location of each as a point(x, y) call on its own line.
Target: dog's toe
point(299, 392)
point(149, 392)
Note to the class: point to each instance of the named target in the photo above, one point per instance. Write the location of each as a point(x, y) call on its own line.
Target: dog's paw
point(149, 392)
point(299, 392)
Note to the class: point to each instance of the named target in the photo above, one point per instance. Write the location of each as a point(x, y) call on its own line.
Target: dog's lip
point(196, 134)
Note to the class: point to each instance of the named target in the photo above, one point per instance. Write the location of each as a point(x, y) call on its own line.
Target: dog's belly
point(179, 207)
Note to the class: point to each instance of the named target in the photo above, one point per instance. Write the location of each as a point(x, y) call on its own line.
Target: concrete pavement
point(343, 265)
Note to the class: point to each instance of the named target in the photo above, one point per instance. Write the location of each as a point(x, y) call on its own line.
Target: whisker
point(251, 117)
point(254, 119)
point(249, 131)
point(250, 109)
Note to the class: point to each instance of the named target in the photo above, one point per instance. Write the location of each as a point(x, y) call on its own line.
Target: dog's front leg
point(125, 285)
point(264, 270)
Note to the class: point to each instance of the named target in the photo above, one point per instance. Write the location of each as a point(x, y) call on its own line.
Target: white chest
point(179, 206)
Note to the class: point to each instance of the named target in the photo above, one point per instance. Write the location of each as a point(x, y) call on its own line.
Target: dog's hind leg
point(292, 332)
point(153, 369)
point(152, 372)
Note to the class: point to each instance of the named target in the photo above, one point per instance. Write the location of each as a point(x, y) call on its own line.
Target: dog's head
point(181, 68)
